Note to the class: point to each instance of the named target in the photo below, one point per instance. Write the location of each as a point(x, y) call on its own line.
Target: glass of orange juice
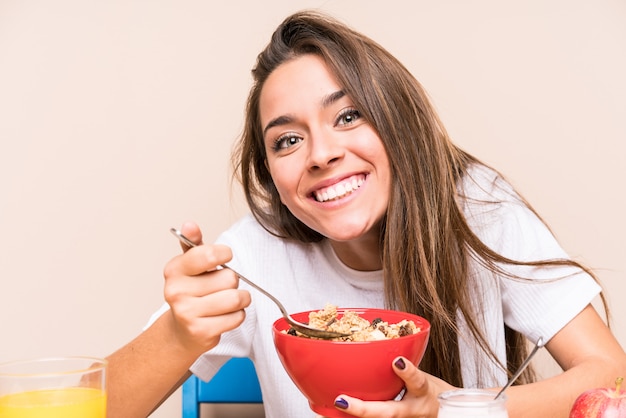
point(64, 387)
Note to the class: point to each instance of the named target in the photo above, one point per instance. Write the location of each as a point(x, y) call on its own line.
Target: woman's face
point(328, 164)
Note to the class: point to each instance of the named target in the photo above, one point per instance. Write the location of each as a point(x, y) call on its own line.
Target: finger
point(198, 260)
point(415, 380)
point(220, 303)
point(200, 285)
point(225, 322)
point(367, 409)
point(192, 231)
point(414, 407)
point(205, 331)
point(226, 301)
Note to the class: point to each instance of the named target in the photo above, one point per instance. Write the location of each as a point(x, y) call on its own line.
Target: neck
point(363, 254)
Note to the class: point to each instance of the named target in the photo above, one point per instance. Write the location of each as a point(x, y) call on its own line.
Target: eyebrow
point(332, 98)
point(327, 100)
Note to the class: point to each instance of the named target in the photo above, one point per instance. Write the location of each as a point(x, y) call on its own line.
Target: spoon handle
point(257, 287)
point(522, 367)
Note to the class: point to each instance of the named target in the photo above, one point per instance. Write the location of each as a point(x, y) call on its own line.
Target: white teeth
point(339, 190)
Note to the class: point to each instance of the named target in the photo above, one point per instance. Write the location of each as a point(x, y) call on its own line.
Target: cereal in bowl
point(360, 329)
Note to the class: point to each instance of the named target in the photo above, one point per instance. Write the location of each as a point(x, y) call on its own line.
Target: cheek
point(280, 177)
point(374, 151)
point(281, 194)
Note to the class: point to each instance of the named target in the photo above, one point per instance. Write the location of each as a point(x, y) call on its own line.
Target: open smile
point(339, 190)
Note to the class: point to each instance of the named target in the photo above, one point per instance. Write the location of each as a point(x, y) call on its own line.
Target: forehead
point(297, 85)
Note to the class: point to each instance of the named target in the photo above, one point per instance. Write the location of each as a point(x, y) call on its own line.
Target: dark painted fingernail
point(341, 403)
point(400, 364)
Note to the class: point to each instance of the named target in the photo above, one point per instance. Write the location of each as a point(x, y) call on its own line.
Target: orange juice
point(55, 403)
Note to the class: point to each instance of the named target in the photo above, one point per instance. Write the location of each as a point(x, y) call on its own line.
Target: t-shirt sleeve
point(547, 298)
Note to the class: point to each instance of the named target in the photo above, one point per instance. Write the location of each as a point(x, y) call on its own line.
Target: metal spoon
point(522, 367)
point(298, 326)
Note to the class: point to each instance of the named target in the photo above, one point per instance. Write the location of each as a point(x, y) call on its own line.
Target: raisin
point(405, 330)
point(292, 332)
point(376, 322)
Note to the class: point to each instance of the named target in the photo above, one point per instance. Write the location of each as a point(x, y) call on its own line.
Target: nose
point(325, 150)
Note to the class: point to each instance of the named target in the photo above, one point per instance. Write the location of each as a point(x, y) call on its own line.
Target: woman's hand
point(204, 301)
point(420, 399)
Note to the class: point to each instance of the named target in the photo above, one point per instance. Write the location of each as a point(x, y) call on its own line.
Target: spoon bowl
point(298, 326)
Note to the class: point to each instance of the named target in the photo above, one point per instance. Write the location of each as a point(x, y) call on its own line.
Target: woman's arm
point(590, 356)
point(204, 303)
point(142, 374)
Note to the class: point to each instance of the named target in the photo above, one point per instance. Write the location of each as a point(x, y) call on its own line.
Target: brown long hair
point(426, 242)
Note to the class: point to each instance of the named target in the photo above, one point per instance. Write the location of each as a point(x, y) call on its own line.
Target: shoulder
point(483, 184)
point(501, 218)
point(487, 199)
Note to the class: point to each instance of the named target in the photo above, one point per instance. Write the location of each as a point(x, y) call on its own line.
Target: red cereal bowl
point(322, 369)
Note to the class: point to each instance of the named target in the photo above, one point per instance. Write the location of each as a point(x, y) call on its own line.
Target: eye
point(285, 141)
point(347, 117)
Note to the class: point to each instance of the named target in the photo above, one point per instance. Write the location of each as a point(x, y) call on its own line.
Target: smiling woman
point(107, 107)
point(430, 230)
point(335, 147)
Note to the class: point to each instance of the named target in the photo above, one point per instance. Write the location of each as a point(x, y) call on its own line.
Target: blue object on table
point(235, 382)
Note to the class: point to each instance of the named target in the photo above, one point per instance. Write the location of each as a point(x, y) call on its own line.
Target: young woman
point(359, 198)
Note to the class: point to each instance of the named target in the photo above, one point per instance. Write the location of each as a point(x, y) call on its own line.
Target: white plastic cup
point(472, 403)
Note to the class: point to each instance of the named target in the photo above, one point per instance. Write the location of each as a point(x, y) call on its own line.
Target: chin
point(347, 227)
point(346, 234)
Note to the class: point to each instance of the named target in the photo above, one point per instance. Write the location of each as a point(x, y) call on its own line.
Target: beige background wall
point(117, 118)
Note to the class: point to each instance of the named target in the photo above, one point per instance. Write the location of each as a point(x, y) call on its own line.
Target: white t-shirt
point(308, 276)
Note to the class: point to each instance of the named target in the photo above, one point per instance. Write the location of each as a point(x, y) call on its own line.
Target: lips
point(340, 189)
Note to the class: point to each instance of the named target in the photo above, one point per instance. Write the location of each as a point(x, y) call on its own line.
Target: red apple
point(601, 403)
